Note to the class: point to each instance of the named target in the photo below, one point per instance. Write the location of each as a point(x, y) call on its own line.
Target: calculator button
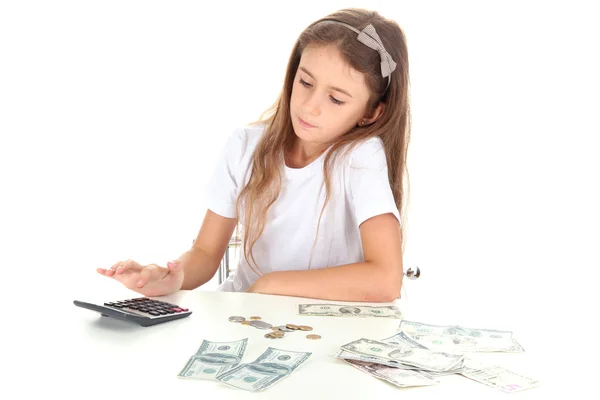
point(170, 311)
point(176, 309)
point(154, 313)
point(161, 312)
point(184, 309)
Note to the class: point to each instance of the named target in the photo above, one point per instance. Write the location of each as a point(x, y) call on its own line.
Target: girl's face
point(328, 96)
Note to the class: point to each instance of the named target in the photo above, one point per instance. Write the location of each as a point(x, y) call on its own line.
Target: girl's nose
point(311, 106)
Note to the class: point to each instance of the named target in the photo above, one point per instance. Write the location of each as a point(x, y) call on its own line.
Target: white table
point(89, 356)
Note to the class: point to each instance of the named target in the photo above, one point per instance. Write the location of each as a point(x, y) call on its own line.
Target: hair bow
point(370, 37)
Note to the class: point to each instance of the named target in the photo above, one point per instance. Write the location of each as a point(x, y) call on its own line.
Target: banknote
point(413, 327)
point(466, 344)
point(401, 338)
point(498, 377)
point(421, 358)
point(213, 359)
point(346, 355)
point(340, 310)
point(398, 377)
point(268, 369)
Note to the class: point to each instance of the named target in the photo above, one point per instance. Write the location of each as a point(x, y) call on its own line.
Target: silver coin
point(236, 319)
point(261, 324)
point(285, 328)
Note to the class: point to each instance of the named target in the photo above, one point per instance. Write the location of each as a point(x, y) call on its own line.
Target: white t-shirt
point(360, 190)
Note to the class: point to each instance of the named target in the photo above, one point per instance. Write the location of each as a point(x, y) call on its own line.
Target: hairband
point(370, 38)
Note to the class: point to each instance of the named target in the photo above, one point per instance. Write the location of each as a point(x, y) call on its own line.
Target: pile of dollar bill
point(221, 361)
point(421, 353)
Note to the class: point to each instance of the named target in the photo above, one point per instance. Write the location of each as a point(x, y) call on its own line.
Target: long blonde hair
point(393, 126)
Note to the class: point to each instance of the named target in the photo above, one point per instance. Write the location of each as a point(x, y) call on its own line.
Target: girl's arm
point(377, 279)
point(201, 262)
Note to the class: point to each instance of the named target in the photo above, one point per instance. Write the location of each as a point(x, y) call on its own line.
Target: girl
point(317, 184)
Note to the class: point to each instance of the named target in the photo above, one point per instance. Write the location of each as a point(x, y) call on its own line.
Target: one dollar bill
point(393, 354)
point(268, 369)
point(340, 310)
point(213, 359)
point(398, 377)
point(498, 377)
point(413, 327)
point(467, 344)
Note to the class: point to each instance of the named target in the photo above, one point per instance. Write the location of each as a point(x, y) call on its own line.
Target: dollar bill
point(498, 377)
point(268, 369)
point(213, 359)
point(402, 338)
point(466, 344)
point(346, 355)
point(413, 327)
point(339, 310)
point(398, 377)
point(421, 358)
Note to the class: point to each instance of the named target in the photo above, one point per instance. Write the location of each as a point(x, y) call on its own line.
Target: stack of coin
point(275, 335)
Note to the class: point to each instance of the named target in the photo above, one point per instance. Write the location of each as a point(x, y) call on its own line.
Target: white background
point(113, 114)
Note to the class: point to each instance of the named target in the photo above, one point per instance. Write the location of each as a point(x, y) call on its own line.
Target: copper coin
point(305, 328)
point(313, 337)
point(255, 318)
point(245, 322)
point(292, 326)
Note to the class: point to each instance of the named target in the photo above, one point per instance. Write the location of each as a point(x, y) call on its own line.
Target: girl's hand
point(148, 280)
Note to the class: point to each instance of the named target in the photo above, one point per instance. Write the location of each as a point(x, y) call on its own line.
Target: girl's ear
point(374, 115)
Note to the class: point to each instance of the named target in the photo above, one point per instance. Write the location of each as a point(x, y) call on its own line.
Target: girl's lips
point(305, 124)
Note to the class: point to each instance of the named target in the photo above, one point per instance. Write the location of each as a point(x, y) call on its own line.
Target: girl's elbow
point(388, 292)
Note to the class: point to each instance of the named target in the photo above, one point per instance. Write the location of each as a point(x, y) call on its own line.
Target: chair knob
point(410, 274)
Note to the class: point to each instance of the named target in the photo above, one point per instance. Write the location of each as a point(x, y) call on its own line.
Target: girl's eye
point(333, 99)
point(304, 83)
point(336, 101)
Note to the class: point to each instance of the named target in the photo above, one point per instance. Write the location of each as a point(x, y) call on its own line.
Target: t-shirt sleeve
point(368, 181)
point(224, 186)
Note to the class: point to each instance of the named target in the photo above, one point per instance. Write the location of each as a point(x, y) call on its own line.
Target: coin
point(277, 334)
point(313, 337)
point(236, 319)
point(305, 328)
point(292, 326)
point(245, 322)
point(261, 324)
point(284, 328)
point(276, 329)
point(255, 318)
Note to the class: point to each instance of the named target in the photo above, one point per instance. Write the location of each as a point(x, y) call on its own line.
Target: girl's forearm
point(361, 282)
point(199, 267)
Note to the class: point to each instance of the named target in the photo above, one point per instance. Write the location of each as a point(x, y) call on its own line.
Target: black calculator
point(143, 311)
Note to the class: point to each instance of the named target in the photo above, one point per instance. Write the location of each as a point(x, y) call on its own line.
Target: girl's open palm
point(149, 280)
